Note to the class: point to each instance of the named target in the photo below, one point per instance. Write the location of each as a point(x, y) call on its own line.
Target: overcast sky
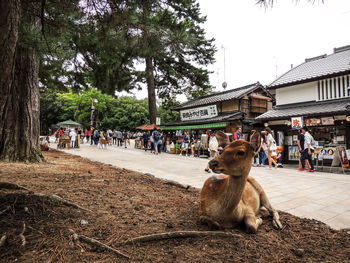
point(261, 43)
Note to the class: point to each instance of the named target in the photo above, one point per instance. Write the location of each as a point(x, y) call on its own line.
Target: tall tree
point(19, 91)
point(22, 39)
point(174, 47)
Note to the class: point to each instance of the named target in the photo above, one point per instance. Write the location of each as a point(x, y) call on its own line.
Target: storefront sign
point(297, 123)
point(313, 122)
point(328, 153)
point(327, 121)
point(343, 157)
point(293, 153)
point(199, 113)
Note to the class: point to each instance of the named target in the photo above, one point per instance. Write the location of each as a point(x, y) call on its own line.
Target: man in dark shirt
point(156, 140)
point(301, 142)
point(145, 140)
point(125, 137)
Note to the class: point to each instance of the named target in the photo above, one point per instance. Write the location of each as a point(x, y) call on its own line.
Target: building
point(224, 110)
point(316, 94)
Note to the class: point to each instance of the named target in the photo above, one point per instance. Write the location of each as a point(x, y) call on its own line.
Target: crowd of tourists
point(94, 136)
point(270, 155)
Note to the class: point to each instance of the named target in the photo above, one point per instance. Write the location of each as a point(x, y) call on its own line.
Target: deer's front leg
point(251, 222)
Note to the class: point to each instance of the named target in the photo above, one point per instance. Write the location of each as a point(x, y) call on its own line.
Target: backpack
point(156, 136)
point(313, 142)
point(213, 144)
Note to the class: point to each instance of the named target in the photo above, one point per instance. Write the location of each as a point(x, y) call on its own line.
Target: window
point(333, 88)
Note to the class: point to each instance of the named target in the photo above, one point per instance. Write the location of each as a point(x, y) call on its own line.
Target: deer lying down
point(227, 200)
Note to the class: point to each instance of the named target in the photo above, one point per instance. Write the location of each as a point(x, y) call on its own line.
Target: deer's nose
point(213, 164)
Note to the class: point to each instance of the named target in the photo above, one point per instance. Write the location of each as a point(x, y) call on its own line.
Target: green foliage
point(99, 44)
point(124, 113)
point(166, 114)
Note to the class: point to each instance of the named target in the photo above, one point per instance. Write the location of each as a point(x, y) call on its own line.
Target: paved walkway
point(322, 196)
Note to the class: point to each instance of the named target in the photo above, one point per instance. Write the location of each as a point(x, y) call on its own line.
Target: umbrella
point(68, 124)
point(148, 127)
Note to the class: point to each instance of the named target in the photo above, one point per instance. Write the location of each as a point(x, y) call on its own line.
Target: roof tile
point(315, 67)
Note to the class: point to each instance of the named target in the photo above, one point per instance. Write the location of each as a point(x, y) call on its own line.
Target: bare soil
point(127, 204)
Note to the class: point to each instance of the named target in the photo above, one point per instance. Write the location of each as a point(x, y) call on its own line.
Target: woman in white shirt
point(271, 146)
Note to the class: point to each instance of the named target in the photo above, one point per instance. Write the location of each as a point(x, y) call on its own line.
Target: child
point(279, 156)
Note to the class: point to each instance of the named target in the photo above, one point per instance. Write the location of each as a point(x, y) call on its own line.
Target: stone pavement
point(322, 196)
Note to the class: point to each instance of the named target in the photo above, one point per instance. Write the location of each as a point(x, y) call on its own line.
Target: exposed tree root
point(7, 185)
point(96, 243)
point(180, 234)
point(53, 197)
point(5, 210)
point(173, 183)
point(21, 235)
point(62, 200)
point(3, 240)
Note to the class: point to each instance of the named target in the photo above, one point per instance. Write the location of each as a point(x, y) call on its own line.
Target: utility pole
point(224, 84)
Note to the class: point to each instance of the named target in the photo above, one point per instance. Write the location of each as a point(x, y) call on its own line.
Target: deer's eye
point(240, 153)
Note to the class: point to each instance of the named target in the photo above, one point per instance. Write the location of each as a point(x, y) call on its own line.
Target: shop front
point(329, 124)
point(199, 130)
point(224, 111)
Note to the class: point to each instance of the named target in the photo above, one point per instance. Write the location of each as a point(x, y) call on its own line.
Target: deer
point(103, 142)
point(233, 197)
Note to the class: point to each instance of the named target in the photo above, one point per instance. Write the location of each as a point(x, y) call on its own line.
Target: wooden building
point(223, 110)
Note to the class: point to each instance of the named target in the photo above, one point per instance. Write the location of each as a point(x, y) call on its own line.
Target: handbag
point(273, 146)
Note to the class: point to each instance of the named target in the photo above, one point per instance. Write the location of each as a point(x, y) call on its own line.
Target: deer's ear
point(222, 138)
point(255, 141)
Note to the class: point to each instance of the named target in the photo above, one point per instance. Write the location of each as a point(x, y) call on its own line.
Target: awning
point(148, 127)
point(68, 123)
point(194, 127)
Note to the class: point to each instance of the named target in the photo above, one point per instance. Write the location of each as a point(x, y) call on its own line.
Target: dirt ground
point(126, 204)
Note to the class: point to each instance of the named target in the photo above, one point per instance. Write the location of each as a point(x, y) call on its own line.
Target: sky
point(261, 43)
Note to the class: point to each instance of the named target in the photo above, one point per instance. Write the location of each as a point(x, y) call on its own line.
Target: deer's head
point(236, 158)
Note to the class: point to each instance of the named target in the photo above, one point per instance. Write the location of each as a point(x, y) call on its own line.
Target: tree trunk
point(152, 106)
point(19, 91)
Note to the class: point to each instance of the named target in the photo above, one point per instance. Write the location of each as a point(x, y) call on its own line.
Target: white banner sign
point(199, 113)
point(297, 123)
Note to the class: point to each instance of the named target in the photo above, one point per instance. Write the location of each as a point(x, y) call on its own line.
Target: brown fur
point(227, 200)
point(103, 142)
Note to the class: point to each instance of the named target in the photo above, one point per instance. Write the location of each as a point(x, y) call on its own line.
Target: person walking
point(263, 150)
point(96, 136)
point(87, 134)
point(145, 137)
point(114, 136)
point(92, 134)
point(185, 144)
point(156, 139)
point(125, 137)
point(73, 137)
point(164, 141)
point(271, 147)
point(301, 142)
point(213, 147)
point(308, 150)
point(238, 134)
point(119, 138)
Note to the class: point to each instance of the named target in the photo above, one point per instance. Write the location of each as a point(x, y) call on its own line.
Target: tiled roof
point(220, 96)
point(324, 108)
point(316, 67)
point(222, 117)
